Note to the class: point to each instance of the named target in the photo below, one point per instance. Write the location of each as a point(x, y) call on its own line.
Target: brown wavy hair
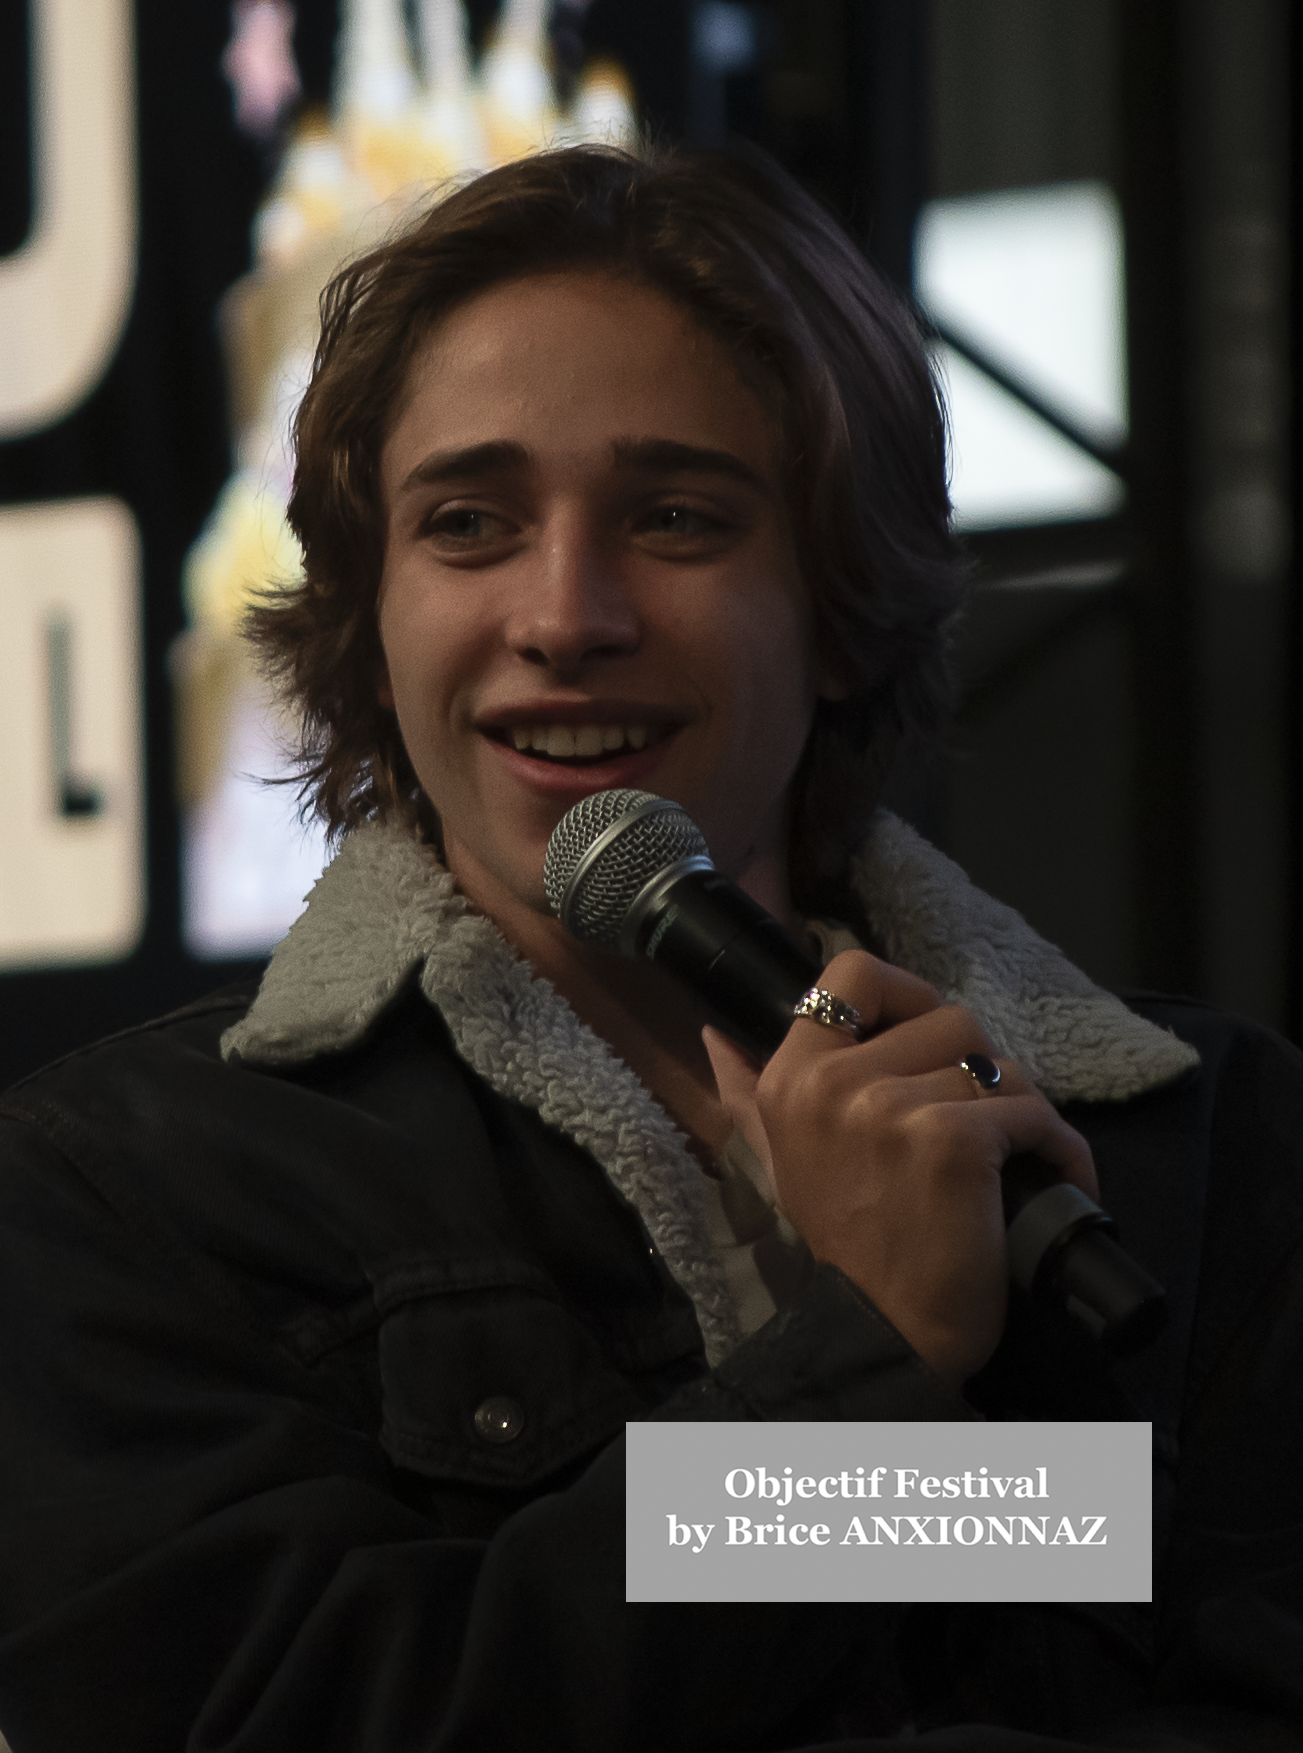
point(733, 238)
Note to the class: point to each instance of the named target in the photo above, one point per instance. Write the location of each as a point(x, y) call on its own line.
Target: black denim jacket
point(246, 1503)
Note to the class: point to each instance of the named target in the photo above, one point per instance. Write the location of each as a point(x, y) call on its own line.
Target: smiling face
point(590, 581)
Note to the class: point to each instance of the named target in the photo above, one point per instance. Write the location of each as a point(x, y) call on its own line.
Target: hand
point(886, 1157)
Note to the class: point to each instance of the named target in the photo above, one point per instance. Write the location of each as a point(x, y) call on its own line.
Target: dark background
point(1125, 764)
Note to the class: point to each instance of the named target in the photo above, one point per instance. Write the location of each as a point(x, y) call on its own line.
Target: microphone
point(631, 873)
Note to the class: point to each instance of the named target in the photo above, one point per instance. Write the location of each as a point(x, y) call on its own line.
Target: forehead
point(572, 361)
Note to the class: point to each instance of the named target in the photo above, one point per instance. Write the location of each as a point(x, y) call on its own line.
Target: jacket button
point(499, 1419)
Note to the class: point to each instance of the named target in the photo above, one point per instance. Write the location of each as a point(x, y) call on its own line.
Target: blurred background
point(1090, 202)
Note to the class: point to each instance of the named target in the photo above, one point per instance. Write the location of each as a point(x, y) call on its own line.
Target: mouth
point(580, 744)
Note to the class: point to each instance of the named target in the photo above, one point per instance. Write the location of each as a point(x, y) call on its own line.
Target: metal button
point(499, 1419)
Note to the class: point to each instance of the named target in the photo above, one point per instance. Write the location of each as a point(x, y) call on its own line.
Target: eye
point(465, 523)
point(680, 520)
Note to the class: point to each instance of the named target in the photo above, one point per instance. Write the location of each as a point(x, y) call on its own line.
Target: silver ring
point(826, 1007)
point(984, 1072)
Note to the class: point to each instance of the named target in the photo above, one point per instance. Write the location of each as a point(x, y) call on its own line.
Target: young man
point(327, 1311)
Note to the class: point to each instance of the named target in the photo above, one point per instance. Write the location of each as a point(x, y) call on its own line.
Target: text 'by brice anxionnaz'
point(777, 1492)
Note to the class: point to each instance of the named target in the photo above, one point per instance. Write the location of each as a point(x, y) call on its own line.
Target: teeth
point(562, 741)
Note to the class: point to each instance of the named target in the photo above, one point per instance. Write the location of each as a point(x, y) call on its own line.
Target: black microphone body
point(631, 872)
point(722, 944)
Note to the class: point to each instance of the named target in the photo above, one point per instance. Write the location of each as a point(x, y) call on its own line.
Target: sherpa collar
point(386, 907)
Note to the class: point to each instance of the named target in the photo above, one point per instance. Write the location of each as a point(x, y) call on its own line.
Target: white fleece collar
point(386, 906)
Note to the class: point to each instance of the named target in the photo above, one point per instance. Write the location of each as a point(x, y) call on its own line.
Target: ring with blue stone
point(984, 1072)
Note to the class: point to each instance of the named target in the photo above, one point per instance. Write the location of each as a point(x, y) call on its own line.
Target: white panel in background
point(1007, 467)
point(247, 861)
point(65, 293)
point(1034, 278)
point(72, 855)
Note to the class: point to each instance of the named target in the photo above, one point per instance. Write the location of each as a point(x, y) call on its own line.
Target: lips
point(582, 742)
point(554, 751)
point(590, 732)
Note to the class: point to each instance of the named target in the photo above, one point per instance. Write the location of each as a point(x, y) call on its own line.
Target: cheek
point(389, 614)
point(437, 650)
point(385, 682)
point(411, 661)
point(777, 658)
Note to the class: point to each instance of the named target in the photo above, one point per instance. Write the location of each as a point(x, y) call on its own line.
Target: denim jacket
point(318, 1358)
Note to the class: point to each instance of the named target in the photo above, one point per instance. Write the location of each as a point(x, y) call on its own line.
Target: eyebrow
point(497, 456)
point(665, 456)
point(653, 456)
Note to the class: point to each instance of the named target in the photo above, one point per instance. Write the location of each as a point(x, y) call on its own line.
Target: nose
point(574, 607)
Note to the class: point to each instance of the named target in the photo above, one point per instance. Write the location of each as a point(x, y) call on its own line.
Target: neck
point(650, 1020)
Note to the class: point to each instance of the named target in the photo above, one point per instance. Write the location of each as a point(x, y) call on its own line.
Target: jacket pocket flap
point(495, 1387)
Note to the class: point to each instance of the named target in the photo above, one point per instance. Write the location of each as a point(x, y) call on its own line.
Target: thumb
point(736, 1079)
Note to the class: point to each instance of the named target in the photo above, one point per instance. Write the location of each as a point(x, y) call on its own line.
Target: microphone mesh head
point(635, 854)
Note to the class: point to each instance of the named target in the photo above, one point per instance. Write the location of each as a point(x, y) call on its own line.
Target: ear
point(384, 688)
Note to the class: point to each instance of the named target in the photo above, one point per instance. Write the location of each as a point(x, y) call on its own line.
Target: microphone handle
point(731, 952)
point(1062, 1251)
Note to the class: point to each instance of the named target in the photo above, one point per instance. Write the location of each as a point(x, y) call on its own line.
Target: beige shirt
point(763, 1259)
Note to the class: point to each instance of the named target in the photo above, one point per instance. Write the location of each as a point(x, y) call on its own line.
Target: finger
point(939, 1037)
point(736, 1078)
point(951, 1083)
point(882, 995)
point(1029, 1123)
point(1013, 1118)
